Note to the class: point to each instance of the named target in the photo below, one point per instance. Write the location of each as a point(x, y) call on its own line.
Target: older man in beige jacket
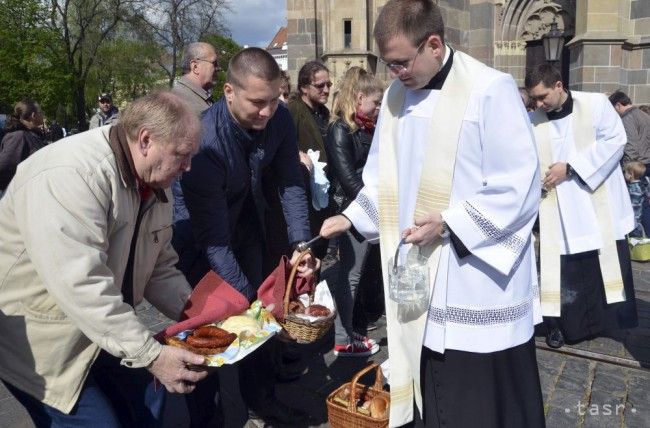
point(85, 229)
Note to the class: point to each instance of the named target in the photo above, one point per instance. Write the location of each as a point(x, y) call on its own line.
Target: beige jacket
point(198, 98)
point(66, 224)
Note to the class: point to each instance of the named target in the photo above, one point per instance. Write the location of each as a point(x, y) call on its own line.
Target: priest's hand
point(427, 229)
point(334, 226)
point(308, 265)
point(555, 175)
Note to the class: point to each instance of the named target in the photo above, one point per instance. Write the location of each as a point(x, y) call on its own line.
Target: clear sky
point(255, 22)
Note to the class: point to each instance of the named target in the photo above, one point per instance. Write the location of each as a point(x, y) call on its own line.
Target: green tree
point(82, 27)
point(32, 64)
point(125, 67)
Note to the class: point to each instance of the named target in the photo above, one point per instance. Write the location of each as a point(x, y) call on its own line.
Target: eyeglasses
point(215, 63)
point(399, 67)
point(321, 86)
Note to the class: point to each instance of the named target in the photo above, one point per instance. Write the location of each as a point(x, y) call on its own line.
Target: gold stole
point(549, 213)
point(406, 323)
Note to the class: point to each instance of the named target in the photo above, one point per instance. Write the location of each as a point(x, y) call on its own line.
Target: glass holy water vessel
point(408, 283)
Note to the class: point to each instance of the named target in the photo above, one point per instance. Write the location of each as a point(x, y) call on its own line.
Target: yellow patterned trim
point(401, 393)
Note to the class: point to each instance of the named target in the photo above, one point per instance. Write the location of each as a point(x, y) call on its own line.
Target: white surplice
point(487, 301)
point(595, 166)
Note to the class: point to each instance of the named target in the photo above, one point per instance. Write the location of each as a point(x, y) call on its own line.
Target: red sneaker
point(355, 349)
point(365, 339)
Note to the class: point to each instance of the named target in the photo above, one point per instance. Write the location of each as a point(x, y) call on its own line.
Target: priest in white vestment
point(454, 171)
point(586, 275)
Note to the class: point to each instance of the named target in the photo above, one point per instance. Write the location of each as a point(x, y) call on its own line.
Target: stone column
point(304, 34)
point(595, 64)
point(636, 50)
point(456, 17)
point(481, 30)
point(510, 57)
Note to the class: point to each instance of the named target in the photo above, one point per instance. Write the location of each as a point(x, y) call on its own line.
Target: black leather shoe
point(278, 413)
point(555, 338)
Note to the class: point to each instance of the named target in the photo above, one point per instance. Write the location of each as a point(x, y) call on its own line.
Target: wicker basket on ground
point(341, 416)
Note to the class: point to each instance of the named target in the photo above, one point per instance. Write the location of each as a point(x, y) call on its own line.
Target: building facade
point(607, 42)
point(278, 48)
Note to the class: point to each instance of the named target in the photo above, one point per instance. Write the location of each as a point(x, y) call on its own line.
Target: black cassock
point(585, 311)
point(492, 390)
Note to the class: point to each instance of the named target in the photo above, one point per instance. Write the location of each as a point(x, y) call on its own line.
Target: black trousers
point(585, 311)
point(494, 390)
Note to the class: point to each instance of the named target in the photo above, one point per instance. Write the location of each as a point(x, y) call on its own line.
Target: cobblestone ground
point(604, 382)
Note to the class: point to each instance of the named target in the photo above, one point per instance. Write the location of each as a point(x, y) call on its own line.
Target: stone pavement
point(603, 382)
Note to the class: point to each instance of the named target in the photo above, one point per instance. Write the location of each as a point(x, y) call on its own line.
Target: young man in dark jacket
point(219, 206)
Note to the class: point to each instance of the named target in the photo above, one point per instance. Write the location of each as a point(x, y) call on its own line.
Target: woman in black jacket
point(347, 144)
point(23, 137)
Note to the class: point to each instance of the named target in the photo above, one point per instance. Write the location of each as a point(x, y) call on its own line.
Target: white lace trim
point(503, 237)
point(505, 315)
point(369, 208)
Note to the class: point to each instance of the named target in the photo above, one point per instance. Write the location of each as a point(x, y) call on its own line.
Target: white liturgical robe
point(597, 165)
point(487, 301)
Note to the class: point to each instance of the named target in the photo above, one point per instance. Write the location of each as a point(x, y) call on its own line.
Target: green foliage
point(64, 53)
point(84, 26)
point(31, 59)
point(126, 68)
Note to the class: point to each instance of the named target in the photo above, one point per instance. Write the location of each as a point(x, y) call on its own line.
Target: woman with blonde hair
point(347, 144)
point(23, 137)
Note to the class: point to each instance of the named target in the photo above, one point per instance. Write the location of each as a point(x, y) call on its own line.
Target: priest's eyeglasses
point(399, 67)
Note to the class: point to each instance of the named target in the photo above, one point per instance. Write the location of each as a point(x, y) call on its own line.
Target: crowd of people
point(178, 184)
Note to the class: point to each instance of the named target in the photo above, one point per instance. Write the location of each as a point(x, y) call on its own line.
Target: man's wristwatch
point(445, 230)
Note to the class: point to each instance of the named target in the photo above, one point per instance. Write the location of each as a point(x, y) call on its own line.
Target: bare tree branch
point(175, 23)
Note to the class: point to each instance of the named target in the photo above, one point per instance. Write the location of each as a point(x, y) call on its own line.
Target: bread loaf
point(379, 407)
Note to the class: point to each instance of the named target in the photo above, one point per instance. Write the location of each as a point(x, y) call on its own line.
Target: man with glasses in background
point(106, 114)
point(308, 109)
point(459, 187)
point(311, 117)
point(199, 65)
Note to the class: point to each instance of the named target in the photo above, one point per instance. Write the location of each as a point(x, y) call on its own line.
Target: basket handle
point(352, 402)
point(292, 275)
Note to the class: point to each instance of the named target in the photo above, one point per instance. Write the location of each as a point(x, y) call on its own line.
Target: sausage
point(211, 331)
point(205, 340)
point(178, 343)
point(211, 342)
point(317, 311)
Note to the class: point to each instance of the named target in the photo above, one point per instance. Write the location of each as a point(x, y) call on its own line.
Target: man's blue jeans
point(113, 396)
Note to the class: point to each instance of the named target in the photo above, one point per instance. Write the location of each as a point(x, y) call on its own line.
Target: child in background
point(637, 185)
